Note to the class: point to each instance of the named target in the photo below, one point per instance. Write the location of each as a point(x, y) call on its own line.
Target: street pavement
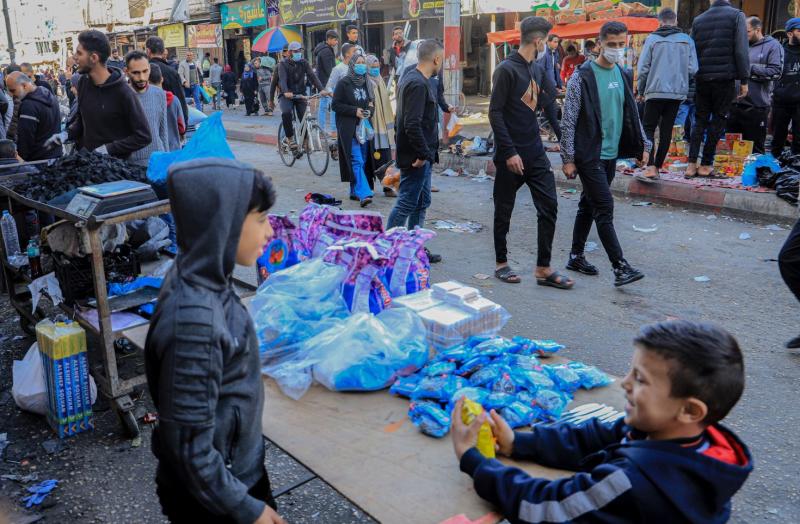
point(106, 479)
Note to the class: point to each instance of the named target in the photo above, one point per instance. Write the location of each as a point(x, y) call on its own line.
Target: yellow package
point(742, 148)
point(485, 444)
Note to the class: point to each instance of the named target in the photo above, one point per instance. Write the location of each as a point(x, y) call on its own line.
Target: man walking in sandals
point(521, 86)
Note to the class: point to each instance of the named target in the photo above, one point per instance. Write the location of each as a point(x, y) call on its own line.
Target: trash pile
point(497, 373)
point(782, 175)
point(71, 172)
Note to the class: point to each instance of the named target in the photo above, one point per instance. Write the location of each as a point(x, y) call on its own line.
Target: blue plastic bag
point(439, 389)
point(517, 414)
point(750, 173)
point(590, 376)
point(497, 400)
point(494, 347)
point(439, 368)
point(475, 394)
point(474, 364)
point(430, 418)
point(566, 378)
point(532, 380)
point(457, 354)
point(208, 141)
point(549, 404)
point(405, 386)
point(488, 375)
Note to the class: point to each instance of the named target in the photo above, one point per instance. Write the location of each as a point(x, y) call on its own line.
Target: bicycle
point(310, 138)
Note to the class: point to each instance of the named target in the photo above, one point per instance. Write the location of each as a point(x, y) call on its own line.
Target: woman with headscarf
point(249, 87)
point(352, 103)
point(382, 121)
point(229, 86)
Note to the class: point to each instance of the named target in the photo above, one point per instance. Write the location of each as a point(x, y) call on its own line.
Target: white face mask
point(614, 55)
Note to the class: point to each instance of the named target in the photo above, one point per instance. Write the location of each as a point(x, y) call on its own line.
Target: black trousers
point(181, 507)
point(250, 103)
point(551, 114)
point(789, 261)
point(751, 122)
point(597, 205)
point(287, 105)
point(661, 113)
point(781, 116)
point(713, 101)
point(540, 180)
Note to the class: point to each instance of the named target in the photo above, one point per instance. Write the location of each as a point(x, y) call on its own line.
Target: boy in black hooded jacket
point(201, 354)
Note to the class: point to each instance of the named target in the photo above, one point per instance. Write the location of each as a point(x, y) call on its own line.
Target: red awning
point(591, 29)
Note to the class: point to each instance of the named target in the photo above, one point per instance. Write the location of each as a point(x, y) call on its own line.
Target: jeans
point(263, 96)
point(193, 92)
point(358, 182)
point(713, 101)
point(751, 122)
point(413, 199)
point(597, 205)
point(287, 105)
point(685, 118)
point(789, 261)
point(540, 180)
point(661, 113)
point(781, 116)
point(218, 95)
point(326, 116)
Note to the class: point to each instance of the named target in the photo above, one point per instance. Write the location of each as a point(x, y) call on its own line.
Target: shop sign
point(243, 14)
point(173, 35)
point(414, 9)
point(204, 36)
point(317, 11)
point(518, 6)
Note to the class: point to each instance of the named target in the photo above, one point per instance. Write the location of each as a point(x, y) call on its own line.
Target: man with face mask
point(786, 97)
point(39, 118)
point(521, 86)
point(601, 123)
point(110, 119)
point(154, 104)
point(293, 76)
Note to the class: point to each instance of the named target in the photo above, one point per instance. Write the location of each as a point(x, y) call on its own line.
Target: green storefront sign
point(249, 13)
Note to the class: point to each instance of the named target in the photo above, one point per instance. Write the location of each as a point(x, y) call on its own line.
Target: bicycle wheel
point(283, 150)
point(317, 150)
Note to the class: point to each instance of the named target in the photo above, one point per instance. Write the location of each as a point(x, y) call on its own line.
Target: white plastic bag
point(28, 385)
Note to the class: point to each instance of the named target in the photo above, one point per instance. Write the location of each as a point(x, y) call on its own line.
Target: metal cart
point(105, 372)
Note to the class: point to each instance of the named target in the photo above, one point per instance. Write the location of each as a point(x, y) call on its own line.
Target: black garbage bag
point(767, 177)
point(789, 159)
point(788, 185)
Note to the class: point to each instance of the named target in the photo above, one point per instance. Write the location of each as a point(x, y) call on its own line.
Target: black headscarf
point(358, 80)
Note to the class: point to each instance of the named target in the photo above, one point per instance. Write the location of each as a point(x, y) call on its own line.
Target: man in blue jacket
point(669, 460)
point(39, 118)
point(750, 114)
point(551, 64)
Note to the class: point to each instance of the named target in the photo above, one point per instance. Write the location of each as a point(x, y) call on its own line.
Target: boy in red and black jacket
point(668, 460)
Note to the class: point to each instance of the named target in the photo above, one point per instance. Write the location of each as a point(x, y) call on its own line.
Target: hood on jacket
point(667, 30)
point(321, 46)
point(41, 95)
point(170, 97)
point(209, 199)
point(766, 40)
point(699, 483)
point(114, 80)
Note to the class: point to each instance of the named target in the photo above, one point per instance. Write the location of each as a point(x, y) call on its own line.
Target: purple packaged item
point(283, 251)
point(409, 269)
point(364, 289)
point(312, 221)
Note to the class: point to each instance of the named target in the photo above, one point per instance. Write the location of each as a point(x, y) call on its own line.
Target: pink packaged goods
point(284, 250)
point(408, 269)
point(365, 288)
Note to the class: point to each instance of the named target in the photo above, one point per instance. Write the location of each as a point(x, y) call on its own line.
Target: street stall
point(578, 30)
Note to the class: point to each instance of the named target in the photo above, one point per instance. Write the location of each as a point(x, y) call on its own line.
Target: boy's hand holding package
point(465, 436)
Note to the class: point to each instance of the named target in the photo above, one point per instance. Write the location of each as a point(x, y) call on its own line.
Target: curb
point(734, 202)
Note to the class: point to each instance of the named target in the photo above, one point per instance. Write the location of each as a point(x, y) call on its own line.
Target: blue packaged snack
point(474, 340)
point(430, 418)
point(475, 394)
point(567, 379)
point(405, 386)
point(439, 388)
point(518, 361)
point(497, 400)
point(517, 414)
point(523, 346)
point(494, 347)
point(549, 404)
point(488, 375)
point(456, 354)
point(472, 365)
point(547, 346)
point(439, 368)
point(532, 380)
point(526, 397)
point(504, 384)
point(591, 377)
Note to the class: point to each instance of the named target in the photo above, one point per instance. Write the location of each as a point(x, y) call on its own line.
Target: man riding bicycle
point(293, 76)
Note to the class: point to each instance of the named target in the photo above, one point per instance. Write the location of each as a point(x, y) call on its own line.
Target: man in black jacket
point(294, 74)
point(521, 86)
point(325, 60)
point(201, 354)
point(416, 125)
point(601, 123)
point(110, 118)
point(720, 38)
point(786, 97)
point(39, 118)
point(172, 80)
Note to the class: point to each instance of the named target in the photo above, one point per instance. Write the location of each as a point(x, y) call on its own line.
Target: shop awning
point(591, 29)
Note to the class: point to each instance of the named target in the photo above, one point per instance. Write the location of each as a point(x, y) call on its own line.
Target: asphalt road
point(104, 479)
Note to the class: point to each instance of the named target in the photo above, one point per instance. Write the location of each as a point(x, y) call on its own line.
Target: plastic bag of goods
point(283, 251)
point(409, 269)
point(365, 288)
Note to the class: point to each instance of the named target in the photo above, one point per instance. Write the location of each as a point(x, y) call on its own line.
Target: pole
point(12, 53)
point(493, 54)
point(452, 46)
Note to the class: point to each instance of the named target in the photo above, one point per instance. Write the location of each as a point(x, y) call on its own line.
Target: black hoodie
point(201, 354)
point(110, 115)
point(787, 88)
point(325, 60)
point(39, 119)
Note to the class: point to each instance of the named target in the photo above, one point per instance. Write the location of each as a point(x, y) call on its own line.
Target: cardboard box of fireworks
point(732, 152)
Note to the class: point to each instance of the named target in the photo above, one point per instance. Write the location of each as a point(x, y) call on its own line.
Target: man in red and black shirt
point(397, 53)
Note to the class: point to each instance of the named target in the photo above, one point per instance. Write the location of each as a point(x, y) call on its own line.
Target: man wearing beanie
point(786, 96)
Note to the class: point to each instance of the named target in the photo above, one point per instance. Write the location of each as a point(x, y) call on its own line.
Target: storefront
point(240, 23)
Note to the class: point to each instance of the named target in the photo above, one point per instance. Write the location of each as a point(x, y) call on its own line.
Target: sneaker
point(625, 274)
point(581, 265)
point(794, 343)
point(433, 259)
point(367, 201)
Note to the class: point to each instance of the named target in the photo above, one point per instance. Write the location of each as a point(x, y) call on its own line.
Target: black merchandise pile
point(79, 169)
point(785, 182)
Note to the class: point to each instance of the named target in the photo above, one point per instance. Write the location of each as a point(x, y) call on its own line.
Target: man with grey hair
point(749, 115)
point(417, 140)
point(666, 66)
point(521, 87)
point(39, 118)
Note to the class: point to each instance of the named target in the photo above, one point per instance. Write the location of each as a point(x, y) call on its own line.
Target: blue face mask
point(360, 69)
point(375, 71)
point(297, 56)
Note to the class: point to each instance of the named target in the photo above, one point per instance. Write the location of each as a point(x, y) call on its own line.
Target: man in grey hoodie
point(749, 115)
point(667, 63)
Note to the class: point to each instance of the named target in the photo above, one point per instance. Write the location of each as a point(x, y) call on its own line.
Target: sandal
point(556, 280)
point(507, 275)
